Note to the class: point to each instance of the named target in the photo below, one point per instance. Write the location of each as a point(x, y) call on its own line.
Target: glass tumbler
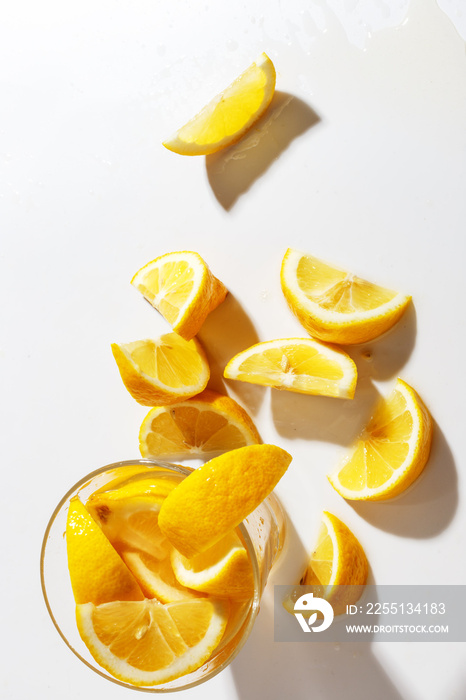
point(262, 532)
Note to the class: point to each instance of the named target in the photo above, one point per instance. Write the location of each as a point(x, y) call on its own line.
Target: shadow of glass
point(385, 356)
point(231, 172)
point(321, 417)
point(293, 559)
point(275, 670)
point(428, 506)
point(227, 331)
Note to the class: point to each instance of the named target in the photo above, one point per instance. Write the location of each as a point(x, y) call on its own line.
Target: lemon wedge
point(337, 570)
point(156, 577)
point(203, 426)
point(147, 642)
point(226, 118)
point(129, 514)
point(334, 305)
point(303, 365)
point(182, 288)
point(222, 570)
point(97, 572)
point(218, 495)
point(338, 558)
point(162, 371)
point(391, 451)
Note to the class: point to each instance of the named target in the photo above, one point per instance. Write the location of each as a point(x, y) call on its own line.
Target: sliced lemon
point(296, 364)
point(182, 288)
point(118, 475)
point(136, 480)
point(203, 426)
point(97, 572)
point(230, 114)
point(148, 643)
point(128, 515)
point(338, 558)
point(337, 569)
point(218, 495)
point(162, 371)
point(391, 451)
point(222, 570)
point(156, 577)
point(334, 305)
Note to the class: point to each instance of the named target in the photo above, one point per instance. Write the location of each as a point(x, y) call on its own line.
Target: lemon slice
point(222, 570)
point(162, 371)
point(119, 475)
point(156, 577)
point(338, 558)
point(203, 426)
point(97, 572)
point(182, 288)
point(391, 451)
point(230, 114)
point(135, 481)
point(337, 569)
point(218, 495)
point(129, 515)
point(303, 365)
point(334, 305)
point(148, 643)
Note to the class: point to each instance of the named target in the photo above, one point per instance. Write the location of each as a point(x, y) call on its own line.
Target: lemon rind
point(215, 578)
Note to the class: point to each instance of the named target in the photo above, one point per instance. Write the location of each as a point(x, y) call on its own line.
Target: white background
point(364, 166)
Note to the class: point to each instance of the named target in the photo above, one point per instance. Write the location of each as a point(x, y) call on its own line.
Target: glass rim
point(246, 627)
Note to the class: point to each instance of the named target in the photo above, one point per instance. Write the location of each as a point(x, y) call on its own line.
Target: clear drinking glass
point(263, 533)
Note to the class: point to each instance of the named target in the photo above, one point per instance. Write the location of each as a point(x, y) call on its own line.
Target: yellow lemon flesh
point(147, 642)
point(225, 119)
point(97, 572)
point(182, 288)
point(174, 630)
point(129, 514)
point(203, 426)
point(338, 565)
point(162, 371)
point(218, 495)
point(156, 577)
point(338, 558)
point(222, 570)
point(135, 481)
point(391, 451)
point(334, 305)
point(303, 365)
point(117, 476)
point(337, 570)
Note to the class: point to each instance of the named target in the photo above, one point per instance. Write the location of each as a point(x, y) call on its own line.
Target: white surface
point(365, 167)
